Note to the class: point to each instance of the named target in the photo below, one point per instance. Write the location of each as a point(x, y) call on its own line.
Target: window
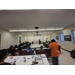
point(61, 37)
point(54, 37)
point(73, 37)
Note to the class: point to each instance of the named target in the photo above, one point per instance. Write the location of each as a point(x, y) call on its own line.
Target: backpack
point(73, 53)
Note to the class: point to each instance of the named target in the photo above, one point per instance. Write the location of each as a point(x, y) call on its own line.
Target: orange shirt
point(54, 49)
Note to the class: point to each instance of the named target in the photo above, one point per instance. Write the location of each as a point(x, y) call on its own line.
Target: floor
point(64, 57)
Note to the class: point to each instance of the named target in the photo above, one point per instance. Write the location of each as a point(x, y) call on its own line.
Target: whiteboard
point(36, 38)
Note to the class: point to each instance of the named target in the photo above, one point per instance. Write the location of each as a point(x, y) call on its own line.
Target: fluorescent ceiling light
point(35, 30)
point(38, 33)
point(35, 33)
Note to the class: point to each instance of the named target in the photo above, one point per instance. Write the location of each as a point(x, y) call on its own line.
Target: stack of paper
point(10, 60)
point(43, 55)
point(39, 60)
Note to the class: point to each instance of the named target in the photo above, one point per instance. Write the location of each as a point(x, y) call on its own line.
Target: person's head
point(15, 46)
point(11, 46)
point(41, 47)
point(53, 40)
point(3, 54)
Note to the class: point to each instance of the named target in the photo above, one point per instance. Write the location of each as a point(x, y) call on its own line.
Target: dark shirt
point(5, 63)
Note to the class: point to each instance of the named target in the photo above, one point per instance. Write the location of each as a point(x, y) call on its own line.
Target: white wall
point(8, 38)
point(67, 31)
point(30, 38)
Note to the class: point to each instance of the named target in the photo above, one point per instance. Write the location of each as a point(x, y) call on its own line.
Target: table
point(45, 49)
point(20, 60)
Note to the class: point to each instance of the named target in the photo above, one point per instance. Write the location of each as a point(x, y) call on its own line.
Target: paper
point(9, 60)
point(15, 58)
point(21, 60)
point(39, 60)
point(37, 48)
point(43, 55)
point(45, 48)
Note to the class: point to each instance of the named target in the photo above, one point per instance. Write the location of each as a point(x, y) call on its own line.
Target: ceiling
point(42, 18)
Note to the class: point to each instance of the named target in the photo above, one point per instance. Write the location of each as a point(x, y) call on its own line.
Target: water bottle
point(14, 60)
point(35, 59)
point(24, 59)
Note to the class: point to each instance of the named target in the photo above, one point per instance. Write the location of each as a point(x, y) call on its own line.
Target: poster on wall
point(67, 37)
point(57, 37)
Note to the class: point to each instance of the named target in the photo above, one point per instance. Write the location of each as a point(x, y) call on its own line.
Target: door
point(37, 38)
point(19, 39)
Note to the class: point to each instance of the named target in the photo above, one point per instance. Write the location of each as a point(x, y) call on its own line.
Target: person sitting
point(29, 50)
point(59, 48)
point(9, 50)
point(41, 49)
point(3, 55)
point(14, 50)
point(19, 44)
point(16, 46)
point(32, 42)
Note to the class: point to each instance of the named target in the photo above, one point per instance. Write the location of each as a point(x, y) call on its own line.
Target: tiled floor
point(64, 57)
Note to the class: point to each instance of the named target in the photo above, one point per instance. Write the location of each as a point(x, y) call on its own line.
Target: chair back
point(20, 52)
point(41, 52)
point(26, 53)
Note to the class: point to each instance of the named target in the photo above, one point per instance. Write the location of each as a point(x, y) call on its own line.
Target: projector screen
point(36, 38)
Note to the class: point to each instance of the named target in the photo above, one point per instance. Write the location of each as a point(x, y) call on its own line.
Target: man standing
point(54, 51)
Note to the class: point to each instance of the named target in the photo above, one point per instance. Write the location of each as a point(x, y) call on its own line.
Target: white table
point(42, 48)
point(20, 60)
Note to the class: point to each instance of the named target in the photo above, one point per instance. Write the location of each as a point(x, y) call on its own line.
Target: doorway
point(19, 39)
point(36, 39)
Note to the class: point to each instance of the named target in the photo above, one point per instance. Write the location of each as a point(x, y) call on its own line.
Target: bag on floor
point(73, 53)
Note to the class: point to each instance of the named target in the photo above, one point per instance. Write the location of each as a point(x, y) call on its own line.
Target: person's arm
point(49, 46)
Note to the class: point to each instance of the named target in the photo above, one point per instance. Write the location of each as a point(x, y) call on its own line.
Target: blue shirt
point(30, 50)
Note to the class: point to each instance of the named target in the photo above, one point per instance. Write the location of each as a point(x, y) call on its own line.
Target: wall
point(67, 31)
point(8, 38)
point(30, 38)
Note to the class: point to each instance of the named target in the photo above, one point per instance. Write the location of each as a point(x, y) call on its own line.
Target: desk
point(42, 48)
point(45, 49)
point(20, 59)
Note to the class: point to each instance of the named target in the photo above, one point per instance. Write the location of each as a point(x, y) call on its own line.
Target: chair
point(49, 53)
point(41, 52)
point(20, 52)
point(16, 53)
point(26, 53)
